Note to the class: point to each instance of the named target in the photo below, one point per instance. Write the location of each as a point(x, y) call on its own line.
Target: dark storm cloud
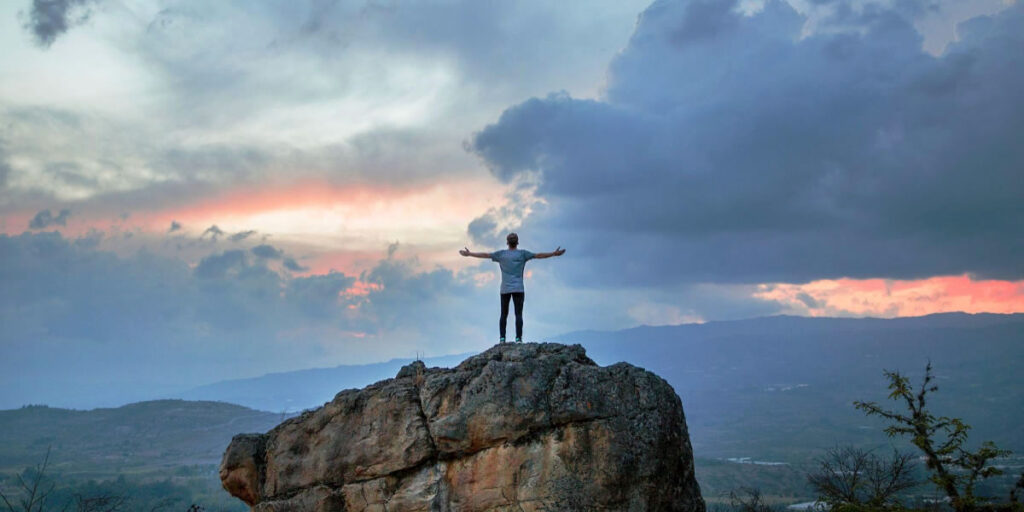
point(482, 230)
point(45, 219)
point(175, 225)
point(76, 291)
point(213, 231)
point(730, 149)
point(5, 168)
point(241, 235)
point(218, 266)
point(68, 308)
point(402, 287)
point(319, 296)
point(92, 239)
point(267, 251)
point(808, 301)
point(294, 266)
point(49, 19)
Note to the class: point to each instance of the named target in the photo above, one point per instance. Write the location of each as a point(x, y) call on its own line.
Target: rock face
point(520, 427)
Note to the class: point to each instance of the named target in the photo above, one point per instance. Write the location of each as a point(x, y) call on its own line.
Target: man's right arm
point(466, 252)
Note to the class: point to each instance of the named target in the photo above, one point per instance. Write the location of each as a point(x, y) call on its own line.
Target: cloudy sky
point(192, 191)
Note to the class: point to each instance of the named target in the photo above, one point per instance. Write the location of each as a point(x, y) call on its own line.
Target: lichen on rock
point(523, 427)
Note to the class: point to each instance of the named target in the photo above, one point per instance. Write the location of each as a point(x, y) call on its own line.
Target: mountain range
point(303, 389)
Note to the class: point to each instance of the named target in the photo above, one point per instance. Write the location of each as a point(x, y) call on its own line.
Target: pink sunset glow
point(336, 227)
point(361, 204)
point(894, 298)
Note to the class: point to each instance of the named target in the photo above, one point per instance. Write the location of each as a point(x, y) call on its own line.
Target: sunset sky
point(192, 191)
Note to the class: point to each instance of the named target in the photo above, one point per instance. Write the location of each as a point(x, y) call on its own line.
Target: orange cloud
point(361, 289)
point(892, 298)
point(350, 263)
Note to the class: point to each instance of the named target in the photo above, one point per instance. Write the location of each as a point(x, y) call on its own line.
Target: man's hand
point(466, 252)
point(559, 251)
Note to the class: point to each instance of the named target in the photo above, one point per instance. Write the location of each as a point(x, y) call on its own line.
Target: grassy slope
point(137, 438)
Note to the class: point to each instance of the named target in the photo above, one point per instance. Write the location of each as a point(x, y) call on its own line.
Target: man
point(512, 262)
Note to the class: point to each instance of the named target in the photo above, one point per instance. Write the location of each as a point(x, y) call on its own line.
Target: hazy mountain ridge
point(301, 389)
point(780, 386)
point(773, 389)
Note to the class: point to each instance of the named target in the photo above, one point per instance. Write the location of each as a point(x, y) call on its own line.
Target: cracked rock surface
point(519, 427)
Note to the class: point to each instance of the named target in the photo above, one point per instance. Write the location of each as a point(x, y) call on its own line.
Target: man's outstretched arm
point(556, 252)
point(466, 252)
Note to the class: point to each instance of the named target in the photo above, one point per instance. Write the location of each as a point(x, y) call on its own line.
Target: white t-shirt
point(512, 262)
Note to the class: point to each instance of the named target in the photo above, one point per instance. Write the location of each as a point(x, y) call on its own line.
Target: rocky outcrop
point(520, 427)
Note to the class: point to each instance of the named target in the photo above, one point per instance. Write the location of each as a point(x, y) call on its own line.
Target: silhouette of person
point(512, 261)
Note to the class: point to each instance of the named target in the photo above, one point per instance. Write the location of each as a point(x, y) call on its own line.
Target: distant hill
point(781, 388)
point(135, 438)
point(303, 389)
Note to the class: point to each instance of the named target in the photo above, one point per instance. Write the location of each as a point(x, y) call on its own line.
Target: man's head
point(513, 240)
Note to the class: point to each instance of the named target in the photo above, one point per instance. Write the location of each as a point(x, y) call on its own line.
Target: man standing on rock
point(512, 262)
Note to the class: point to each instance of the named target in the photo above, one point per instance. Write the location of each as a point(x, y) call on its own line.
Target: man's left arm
point(556, 252)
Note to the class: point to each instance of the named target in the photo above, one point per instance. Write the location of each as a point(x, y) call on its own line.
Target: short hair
point(512, 239)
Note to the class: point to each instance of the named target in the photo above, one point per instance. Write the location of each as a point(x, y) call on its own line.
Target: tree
point(854, 476)
point(747, 499)
point(955, 470)
point(36, 489)
point(104, 503)
point(34, 492)
point(1017, 487)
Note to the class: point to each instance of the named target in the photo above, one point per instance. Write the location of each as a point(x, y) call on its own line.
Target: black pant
point(518, 298)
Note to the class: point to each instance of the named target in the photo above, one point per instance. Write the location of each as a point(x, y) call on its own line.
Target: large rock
point(520, 427)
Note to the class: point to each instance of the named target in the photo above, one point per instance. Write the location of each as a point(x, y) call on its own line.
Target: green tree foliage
point(954, 469)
